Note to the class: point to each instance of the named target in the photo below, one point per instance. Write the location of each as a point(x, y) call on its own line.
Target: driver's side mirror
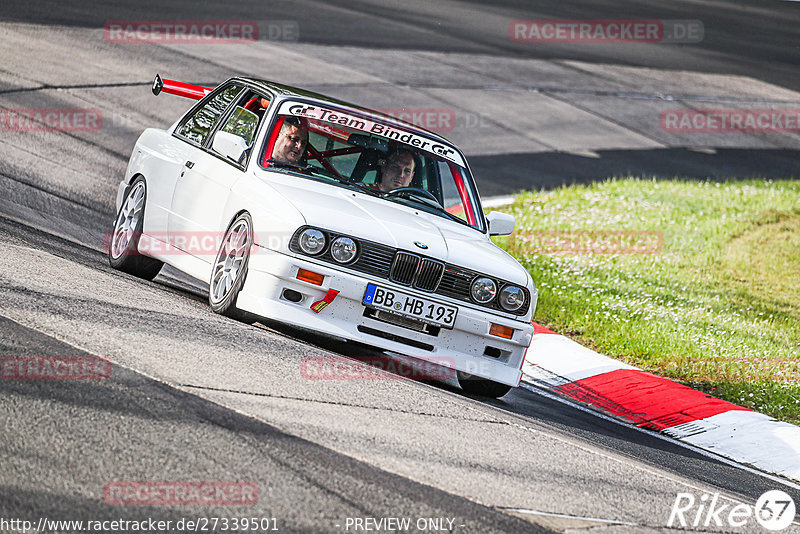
point(230, 146)
point(500, 223)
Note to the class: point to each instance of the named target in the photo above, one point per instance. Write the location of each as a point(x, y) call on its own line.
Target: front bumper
point(463, 348)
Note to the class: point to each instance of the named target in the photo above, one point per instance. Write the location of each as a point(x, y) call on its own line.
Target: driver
point(290, 147)
point(397, 170)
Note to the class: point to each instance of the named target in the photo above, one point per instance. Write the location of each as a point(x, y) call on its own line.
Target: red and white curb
point(635, 396)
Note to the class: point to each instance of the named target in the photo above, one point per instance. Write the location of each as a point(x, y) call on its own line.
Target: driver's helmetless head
point(397, 171)
point(290, 145)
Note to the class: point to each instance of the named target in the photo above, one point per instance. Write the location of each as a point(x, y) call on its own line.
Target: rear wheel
point(230, 267)
point(123, 247)
point(481, 386)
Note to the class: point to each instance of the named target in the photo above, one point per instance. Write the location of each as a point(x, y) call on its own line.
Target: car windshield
point(364, 152)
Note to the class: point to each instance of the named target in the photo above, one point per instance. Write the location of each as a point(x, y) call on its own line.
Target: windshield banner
point(366, 125)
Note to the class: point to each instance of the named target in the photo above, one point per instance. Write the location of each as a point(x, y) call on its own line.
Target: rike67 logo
point(774, 510)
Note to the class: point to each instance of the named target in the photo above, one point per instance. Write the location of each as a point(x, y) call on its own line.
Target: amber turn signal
point(501, 331)
point(310, 277)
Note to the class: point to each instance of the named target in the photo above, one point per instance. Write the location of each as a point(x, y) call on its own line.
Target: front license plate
point(399, 303)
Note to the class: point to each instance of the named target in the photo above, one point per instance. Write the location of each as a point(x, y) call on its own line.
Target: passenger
point(290, 146)
point(397, 170)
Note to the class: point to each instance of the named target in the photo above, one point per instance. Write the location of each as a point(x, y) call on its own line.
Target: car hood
point(361, 215)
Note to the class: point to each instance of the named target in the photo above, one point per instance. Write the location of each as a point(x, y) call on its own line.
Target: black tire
point(123, 246)
point(223, 299)
point(481, 386)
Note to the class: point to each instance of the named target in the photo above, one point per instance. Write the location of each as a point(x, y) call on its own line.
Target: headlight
point(483, 290)
point(511, 298)
point(312, 241)
point(343, 249)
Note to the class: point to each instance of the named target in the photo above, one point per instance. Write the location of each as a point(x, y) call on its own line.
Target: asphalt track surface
point(194, 396)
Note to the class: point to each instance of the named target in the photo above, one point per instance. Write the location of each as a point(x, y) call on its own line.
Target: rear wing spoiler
point(173, 87)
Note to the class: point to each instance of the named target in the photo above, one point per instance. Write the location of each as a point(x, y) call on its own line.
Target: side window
point(246, 116)
point(242, 122)
point(198, 127)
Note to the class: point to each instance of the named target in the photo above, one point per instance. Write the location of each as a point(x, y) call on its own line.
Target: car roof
point(288, 91)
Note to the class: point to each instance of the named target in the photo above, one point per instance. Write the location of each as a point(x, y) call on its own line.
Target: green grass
point(717, 307)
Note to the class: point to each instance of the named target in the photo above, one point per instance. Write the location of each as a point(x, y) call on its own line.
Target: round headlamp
point(343, 249)
point(312, 241)
point(511, 298)
point(483, 290)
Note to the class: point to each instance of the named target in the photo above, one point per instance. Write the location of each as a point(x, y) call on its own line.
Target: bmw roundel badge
point(421, 245)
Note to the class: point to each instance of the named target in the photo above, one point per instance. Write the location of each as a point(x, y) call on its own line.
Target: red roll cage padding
point(256, 102)
point(462, 192)
point(315, 154)
point(174, 87)
point(339, 152)
point(273, 136)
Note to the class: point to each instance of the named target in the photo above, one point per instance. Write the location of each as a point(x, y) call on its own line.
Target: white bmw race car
point(303, 209)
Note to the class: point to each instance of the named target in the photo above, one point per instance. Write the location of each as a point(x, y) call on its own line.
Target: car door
point(204, 180)
point(165, 155)
point(197, 217)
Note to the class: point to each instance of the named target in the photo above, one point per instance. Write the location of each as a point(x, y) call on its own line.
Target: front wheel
point(123, 247)
point(230, 267)
point(481, 386)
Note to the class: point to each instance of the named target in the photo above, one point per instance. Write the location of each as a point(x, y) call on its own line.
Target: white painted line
point(566, 516)
point(496, 202)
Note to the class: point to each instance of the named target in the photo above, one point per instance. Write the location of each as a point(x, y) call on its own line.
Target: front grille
point(430, 272)
point(374, 259)
point(456, 282)
point(404, 268)
point(412, 270)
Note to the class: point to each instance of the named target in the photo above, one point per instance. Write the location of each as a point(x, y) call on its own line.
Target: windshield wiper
point(284, 165)
point(313, 169)
point(366, 189)
point(325, 172)
point(342, 180)
point(306, 168)
point(437, 207)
